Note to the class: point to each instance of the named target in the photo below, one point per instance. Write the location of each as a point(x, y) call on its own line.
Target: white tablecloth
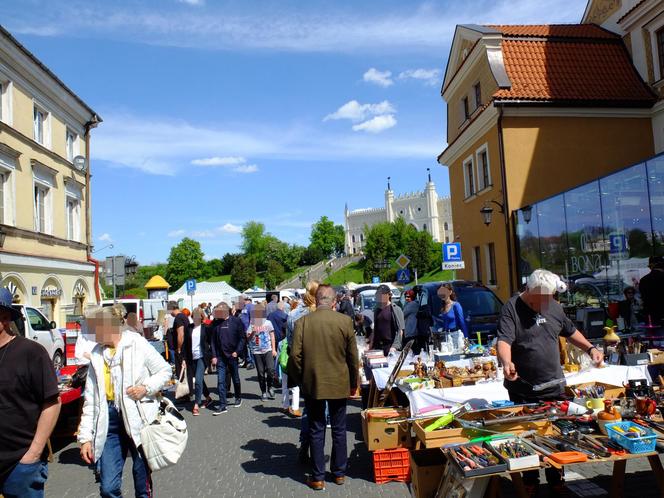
point(483, 393)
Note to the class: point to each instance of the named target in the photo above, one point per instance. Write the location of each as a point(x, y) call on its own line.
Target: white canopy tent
point(208, 292)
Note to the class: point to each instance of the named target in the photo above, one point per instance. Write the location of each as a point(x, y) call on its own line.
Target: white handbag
point(182, 385)
point(164, 440)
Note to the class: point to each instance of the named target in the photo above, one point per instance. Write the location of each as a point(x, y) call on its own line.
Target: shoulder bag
point(163, 440)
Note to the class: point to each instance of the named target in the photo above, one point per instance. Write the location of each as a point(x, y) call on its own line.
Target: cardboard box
point(609, 390)
point(379, 435)
point(543, 426)
point(656, 357)
point(452, 434)
point(635, 359)
point(426, 470)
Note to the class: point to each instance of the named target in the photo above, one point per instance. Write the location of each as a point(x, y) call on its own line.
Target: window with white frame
point(483, 168)
point(491, 277)
point(469, 177)
point(40, 208)
point(41, 123)
point(73, 209)
point(43, 184)
point(5, 100)
point(71, 144)
point(7, 179)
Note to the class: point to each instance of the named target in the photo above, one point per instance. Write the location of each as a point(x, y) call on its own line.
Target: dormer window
point(465, 111)
point(477, 89)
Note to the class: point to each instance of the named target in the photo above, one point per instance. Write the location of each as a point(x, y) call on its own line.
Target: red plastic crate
point(391, 465)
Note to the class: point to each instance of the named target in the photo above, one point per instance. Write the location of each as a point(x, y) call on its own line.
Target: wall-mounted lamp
point(527, 213)
point(487, 211)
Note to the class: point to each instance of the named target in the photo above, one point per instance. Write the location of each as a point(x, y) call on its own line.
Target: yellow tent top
point(157, 282)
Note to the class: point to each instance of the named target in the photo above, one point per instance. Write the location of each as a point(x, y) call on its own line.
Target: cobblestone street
point(252, 452)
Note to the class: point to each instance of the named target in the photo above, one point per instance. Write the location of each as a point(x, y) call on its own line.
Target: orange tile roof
point(570, 64)
point(554, 31)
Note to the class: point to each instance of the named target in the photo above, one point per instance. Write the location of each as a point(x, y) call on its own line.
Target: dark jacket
point(346, 307)
point(227, 337)
point(651, 288)
point(278, 320)
point(324, 360)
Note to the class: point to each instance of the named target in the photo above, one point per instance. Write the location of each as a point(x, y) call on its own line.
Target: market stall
point(454, 432)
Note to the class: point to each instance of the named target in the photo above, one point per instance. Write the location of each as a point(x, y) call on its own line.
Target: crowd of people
point(307, 348)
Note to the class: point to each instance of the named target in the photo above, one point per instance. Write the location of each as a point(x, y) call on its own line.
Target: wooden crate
point(609, 390)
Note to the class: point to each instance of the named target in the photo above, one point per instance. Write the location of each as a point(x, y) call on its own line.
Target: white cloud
point(246, 169)
point(230, 228)
point(429, 76)
point(177, 233)
point(193, 2)
point(355, 111)
point(377, 124)
point(317, 27)
point(380, 78)
point(164, 146)
point(105, 237)
point(219, 161)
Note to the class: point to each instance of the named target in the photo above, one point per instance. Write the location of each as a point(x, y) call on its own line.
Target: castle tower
point(432, 206)
point(389, 199)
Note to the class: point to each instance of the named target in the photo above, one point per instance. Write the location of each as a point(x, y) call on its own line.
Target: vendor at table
point(528, 332)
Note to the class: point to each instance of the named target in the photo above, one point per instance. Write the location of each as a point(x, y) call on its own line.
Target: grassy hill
point(355, 273)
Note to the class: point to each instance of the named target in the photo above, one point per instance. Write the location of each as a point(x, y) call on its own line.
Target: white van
point(147, 310)
point(35, 326)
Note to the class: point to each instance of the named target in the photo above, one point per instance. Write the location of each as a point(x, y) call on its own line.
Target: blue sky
point(220, 112)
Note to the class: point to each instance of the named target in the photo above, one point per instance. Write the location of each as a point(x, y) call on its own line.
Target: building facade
point(44, 187)
point(533, 111)
point(423, 210)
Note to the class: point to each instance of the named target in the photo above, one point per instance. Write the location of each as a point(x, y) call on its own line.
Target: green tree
point(214, 267)
point(255, 241)
point(311, 255)
point(243, 274)
point(379, 248)
point(185, 261)
point(422, 251)
point(327, 236)
point(274, 274)
point(228, 262)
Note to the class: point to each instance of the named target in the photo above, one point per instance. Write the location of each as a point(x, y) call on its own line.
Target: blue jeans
point(339, 457)
point(25, 481)
point(199, 373)
point(113, 457)
point(224, 363)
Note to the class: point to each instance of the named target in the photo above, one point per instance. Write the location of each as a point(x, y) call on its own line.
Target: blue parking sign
point(190, 285)
point(403, 276)
point(375, 280)
point(452, 252)
point(618, 243)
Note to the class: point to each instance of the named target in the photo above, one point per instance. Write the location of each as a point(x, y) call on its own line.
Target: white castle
point(423, 210)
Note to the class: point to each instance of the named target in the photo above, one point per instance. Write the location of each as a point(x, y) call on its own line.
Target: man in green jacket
point(325, 363)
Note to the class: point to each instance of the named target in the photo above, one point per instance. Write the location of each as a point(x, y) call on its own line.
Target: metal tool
point(563, 458)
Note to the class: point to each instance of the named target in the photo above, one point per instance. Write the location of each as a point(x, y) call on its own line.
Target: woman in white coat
point(125, 372)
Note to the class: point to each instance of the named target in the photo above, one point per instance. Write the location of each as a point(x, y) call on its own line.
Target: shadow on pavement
point(275, 459)
point(71, 456)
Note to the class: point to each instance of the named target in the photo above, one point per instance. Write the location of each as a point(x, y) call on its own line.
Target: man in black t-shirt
point(651, 288)
point(29, 404)
point(181, 337)
point(528, 331)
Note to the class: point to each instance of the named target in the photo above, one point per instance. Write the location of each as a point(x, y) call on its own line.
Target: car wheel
point(58, 360)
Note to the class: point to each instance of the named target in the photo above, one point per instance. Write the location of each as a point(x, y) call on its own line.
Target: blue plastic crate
point(643, 444)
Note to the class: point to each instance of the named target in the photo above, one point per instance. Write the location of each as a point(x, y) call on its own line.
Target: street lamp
point(109, 246)
point(527, 213)
point(487, 211)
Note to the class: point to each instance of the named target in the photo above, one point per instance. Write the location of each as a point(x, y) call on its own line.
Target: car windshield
point(368, 302)
point(477, 301)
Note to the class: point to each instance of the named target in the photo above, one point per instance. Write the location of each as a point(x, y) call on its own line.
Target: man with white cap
point(528, 331)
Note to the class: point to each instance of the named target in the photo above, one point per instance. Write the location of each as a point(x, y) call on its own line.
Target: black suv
point(481, 307)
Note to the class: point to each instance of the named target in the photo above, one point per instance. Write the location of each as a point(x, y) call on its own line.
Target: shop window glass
point(627, 226)
point(529, 246)
point(553, 234)
point(587, 244)
point(656, 186)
